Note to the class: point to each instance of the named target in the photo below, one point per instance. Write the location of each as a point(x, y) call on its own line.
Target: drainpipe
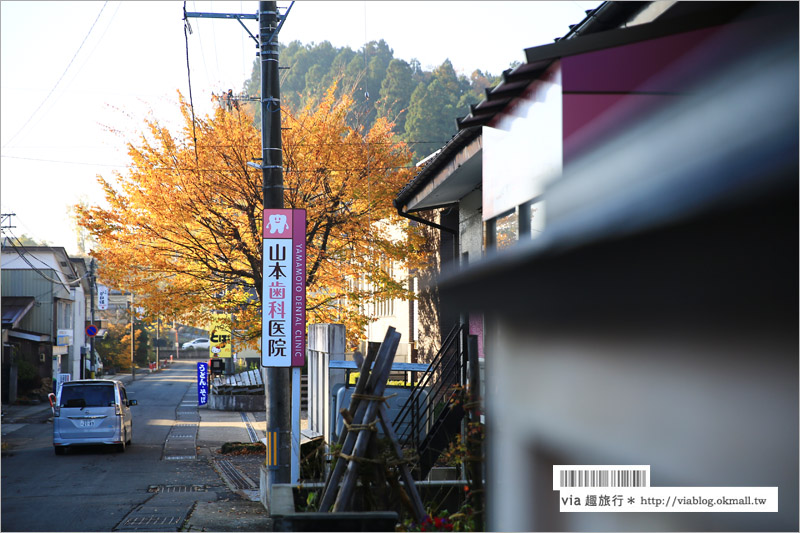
point(425, 222)
point(432, 225)
point(451, 231)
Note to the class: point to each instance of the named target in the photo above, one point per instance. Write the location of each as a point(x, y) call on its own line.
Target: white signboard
point(64, 337)
point(62, 378)
point(102, 297)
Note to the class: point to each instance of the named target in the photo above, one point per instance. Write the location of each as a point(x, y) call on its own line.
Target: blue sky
point(71, 72)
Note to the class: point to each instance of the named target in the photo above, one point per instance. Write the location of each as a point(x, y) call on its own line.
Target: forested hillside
point(422, 104)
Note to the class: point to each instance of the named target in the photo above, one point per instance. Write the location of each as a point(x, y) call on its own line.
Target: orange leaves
point(183, 227)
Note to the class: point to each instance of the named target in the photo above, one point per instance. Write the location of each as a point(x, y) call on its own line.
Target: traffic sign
point(91, 330)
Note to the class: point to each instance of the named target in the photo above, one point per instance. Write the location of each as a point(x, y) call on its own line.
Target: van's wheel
point(130, 437)
point(121, 446)
point(60, 450)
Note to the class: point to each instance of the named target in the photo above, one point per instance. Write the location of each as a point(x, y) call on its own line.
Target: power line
point(60, 78)
point(21, 254)
point(202, 52)
point(186, 30)
point(63, 162)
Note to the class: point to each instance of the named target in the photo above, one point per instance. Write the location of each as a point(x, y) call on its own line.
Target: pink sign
point(298, 287)
point(278, 223)
point(284, 291)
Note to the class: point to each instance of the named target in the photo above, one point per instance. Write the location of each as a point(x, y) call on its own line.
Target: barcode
point(603, 478)
point(577, 476)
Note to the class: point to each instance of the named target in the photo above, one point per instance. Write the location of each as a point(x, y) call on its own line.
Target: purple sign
point(299, 287)
point(202, 383)
point(284, 305)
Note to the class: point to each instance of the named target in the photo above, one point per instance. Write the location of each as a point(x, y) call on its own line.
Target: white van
point(90, 412)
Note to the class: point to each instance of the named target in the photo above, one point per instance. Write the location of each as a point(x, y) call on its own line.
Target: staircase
point(428, 425)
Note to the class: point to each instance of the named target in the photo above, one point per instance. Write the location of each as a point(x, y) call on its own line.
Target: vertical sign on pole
point(220, 338)
point(202, 383)
point(284, 290)
point(102, 297)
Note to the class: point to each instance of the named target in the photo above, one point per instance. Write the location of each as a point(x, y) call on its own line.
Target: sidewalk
point(240, 472)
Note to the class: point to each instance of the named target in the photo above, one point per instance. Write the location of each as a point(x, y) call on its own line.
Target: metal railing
point(431, 396)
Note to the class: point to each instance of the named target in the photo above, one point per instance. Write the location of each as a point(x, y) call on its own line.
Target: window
point(64, 318)
point(101, 395)
point(384, 307)
point(537, 218)
point(507, 230)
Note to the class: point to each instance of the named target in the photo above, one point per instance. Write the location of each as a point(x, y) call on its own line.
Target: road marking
point(9, 428)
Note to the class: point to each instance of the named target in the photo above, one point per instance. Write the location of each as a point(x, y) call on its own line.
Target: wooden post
point(383, 366)
point(329, 496)
point(405, 472)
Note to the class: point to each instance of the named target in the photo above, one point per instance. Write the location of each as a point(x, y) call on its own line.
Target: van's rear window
point(101, 395)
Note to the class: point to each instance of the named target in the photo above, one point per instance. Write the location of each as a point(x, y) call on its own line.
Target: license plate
point(86, 423)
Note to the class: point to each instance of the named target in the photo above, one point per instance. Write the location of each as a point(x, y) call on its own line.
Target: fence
point(326, 343)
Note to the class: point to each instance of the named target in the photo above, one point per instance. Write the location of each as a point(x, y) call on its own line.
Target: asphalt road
point(94, 489)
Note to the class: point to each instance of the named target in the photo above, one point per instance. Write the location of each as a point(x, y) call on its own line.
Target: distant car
point(91, 412)
point(196, 344)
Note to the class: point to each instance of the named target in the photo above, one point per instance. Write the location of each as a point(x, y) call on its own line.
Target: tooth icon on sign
point(277, 223)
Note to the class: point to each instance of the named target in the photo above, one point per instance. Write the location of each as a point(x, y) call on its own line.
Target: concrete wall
point(237, 402)
point(326, 342)
point(470, 227)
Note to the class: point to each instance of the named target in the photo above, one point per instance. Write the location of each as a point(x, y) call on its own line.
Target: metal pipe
point(423, 221)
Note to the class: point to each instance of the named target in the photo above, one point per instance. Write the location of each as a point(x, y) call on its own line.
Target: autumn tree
point(115, 347)
point(183, 225)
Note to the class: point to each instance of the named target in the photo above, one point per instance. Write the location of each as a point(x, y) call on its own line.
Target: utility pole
point(278, 379)
point(158, 340)
point(91, 302)
point(133, 341)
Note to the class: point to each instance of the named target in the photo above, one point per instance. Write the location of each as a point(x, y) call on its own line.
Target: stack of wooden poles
point(358, 439)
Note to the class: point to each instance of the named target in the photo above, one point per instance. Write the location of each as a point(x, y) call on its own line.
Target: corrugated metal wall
point(17, 282)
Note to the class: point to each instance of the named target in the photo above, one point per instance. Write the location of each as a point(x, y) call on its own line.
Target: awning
point(15, 308)
point(35, 337)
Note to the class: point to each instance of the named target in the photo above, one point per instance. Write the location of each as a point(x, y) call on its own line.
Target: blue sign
point(91, 330)
point(202, 383)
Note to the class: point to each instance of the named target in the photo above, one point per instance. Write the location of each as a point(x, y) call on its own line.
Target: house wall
point(44, 278)
point(522, 150)
point(394, 313)
point(18, 282)
point(470, 228)
point(72, 363)
point(696, 407)
point(605, 90)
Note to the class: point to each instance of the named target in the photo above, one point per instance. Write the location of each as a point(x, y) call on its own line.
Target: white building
point(58, 288)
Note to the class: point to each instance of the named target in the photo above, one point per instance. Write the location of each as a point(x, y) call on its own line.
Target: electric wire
point(86, 61)
point(184, 169)
point(60, 78)
point(186, 29)
point(100, 40)
point(202, 52)
point(21, 254)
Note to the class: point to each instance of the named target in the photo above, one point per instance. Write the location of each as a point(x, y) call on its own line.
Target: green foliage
point(142, 344)
point(395, 93)
point(27, 373)
point(422, 105)
point(26, 240)
point(431, 117)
